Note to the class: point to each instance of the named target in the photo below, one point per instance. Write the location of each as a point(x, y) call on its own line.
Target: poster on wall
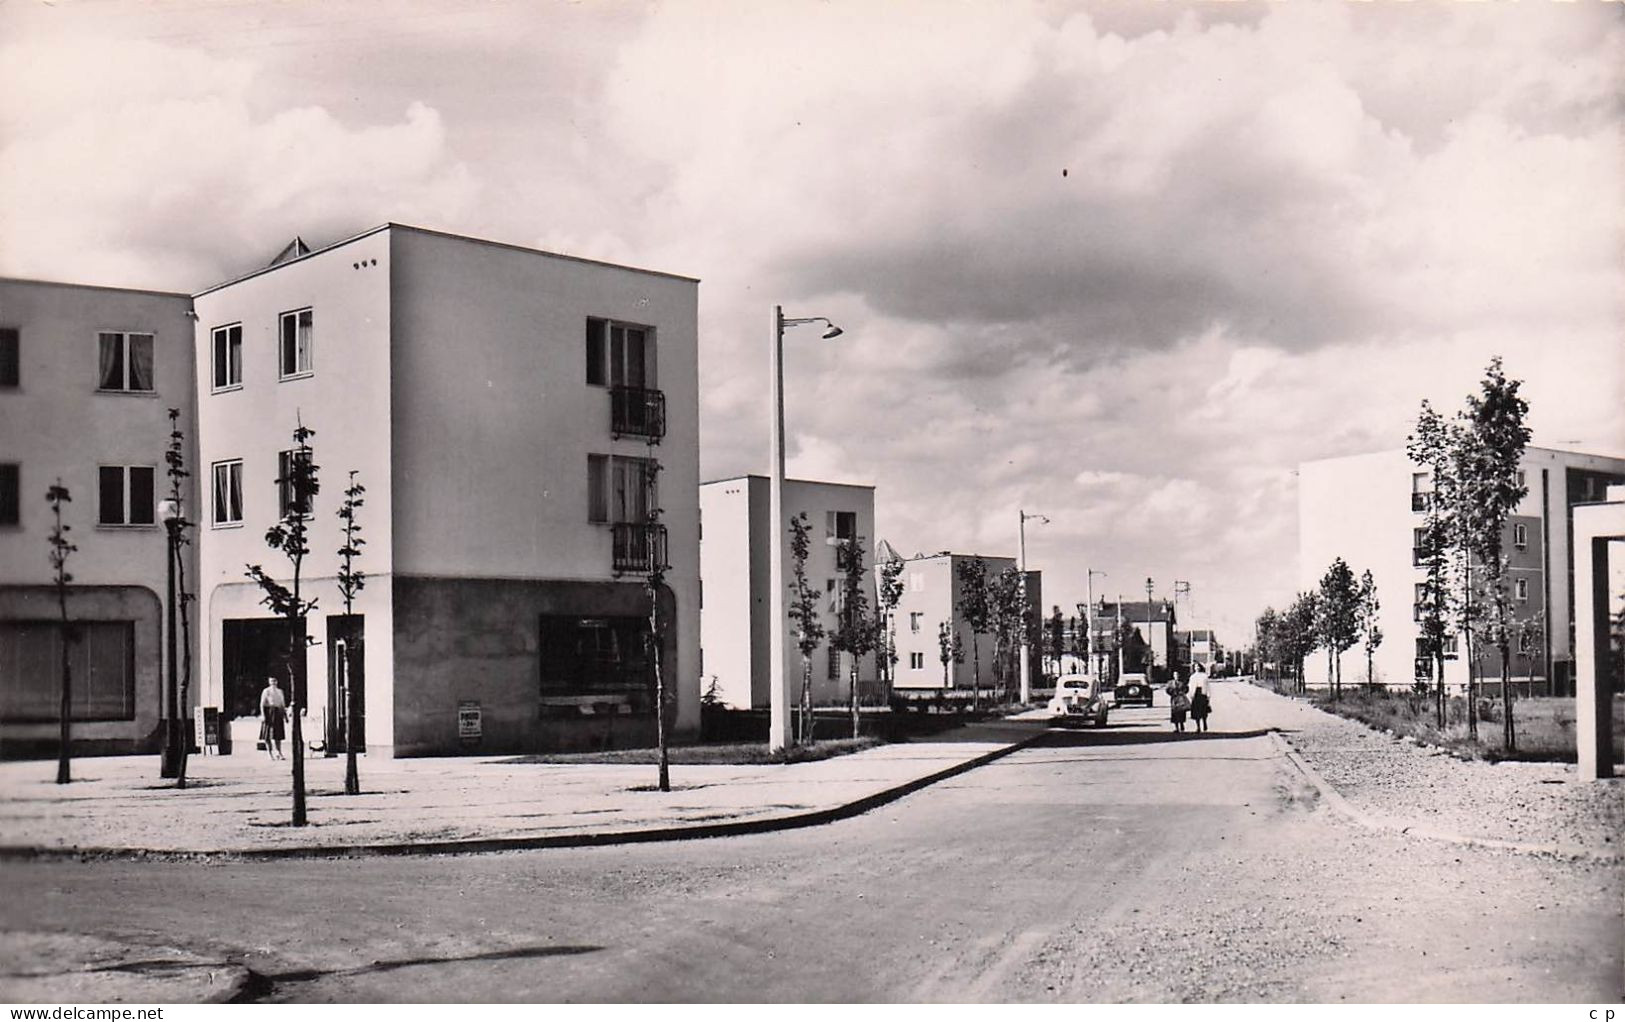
point(469, 725)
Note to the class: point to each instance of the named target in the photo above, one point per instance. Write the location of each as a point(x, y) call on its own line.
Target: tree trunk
point(1331, 686)
point(806, 730)
point(1438, 687)
point(185, 749)
point(856, 716)
point(63, 773)
point(663, 777)
point(975, 672)
point(1509, 730)
point(1472, 688)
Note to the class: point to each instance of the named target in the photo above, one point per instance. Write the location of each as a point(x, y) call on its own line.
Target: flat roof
point(393, 225)
point(809, 482)
point(96, 287)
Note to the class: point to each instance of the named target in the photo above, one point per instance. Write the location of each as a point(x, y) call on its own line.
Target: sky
point(1124, 263)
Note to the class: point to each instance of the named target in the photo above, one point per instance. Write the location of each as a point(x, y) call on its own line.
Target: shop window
point(101, 659)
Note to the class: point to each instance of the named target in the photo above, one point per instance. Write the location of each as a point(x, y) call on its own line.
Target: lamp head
point(169, 509)
point(832, 332)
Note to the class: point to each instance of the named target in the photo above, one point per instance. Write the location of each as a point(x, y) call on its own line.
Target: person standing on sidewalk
point(273, 716)
point(1179, 706)
point(1200, 708)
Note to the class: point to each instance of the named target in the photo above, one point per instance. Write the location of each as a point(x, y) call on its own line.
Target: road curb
point(474, 846)
point(1372, 821)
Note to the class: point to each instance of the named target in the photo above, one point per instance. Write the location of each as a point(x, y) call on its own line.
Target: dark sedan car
point(1133, 688)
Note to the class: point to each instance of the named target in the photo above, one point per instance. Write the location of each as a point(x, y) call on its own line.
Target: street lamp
point(1026, 644)
point(1089, 623)
point(779, 735)
point(169, 510)
point(1152, 650)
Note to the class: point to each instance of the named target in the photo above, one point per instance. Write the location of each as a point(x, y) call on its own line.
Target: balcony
point(636, 411)
point(639, 546)
point(1421, 501)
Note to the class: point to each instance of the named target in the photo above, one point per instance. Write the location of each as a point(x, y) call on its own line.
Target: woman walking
point(1180, 705)
point(273, 715)
point(1200, 708)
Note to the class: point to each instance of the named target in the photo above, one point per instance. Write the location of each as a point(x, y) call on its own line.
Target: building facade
point(933, 594)
point(734, 562)
point(87, 378)
point(516, 418)
point(1155, 624)
point(1368, 509)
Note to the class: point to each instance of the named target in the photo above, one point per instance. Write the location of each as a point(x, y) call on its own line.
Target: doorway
point(346, 677)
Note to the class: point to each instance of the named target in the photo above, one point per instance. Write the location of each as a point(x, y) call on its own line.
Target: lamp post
point(1026, 643)
point(170, 765)
point(1089, 623)
point(1185, 588)
point(779, 735)
point(1149, 647)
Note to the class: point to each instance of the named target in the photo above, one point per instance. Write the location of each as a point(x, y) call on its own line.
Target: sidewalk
point(241, 804)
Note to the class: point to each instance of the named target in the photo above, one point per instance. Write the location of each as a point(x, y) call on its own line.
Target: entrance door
point(346, 678)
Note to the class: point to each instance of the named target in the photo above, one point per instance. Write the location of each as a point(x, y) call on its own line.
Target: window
point(228, 356)
point(10, 357)
point(834, 664)
point(841, 532)
point(1419, 546)
point(228, 493)
point(294, 356)
point(620, 489)
point(619, 354)
point(1521, 481)
point(1520, 536)
point(1520, 589)
point(125, 363)
point(286, 498)
point(102, 662)
point(1421, 490)
point(916, 582)
point(10, 507)
point(914, 619)
point(916, 661)
point(607, 655)
point(124, 495)
point(1526, 642)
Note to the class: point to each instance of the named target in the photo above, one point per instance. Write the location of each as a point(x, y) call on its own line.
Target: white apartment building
point(87, 376)
point(932, 596)
point(504, 408)
point(734, 562)
point(1368, 509)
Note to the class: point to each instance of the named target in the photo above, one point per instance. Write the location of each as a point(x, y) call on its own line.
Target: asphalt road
point(1116, 865)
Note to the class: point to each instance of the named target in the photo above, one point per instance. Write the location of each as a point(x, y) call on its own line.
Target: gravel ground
point(1536, 803)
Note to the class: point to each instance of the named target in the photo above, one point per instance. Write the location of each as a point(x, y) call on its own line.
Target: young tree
point(950, 650)
point(854, 628)
point(1530, 635)
point(61, 548)
point(175, 468)
point(888, 593)
point(1494, 420)
point(351, 581)
point(1057, 637)
point(1432, 447)
point(654, 583)
point(1007, 620)
point(1369, 628)
point(1264, 636)
point(291, 536)
point(975, 606)
point(803, 613)
point(1298, 638)
point(1338, 623)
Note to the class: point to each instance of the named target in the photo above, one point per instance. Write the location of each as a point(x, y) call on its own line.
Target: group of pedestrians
point(1189, 698)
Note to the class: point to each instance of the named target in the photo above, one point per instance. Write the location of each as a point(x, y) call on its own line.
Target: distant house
point(932, 596)
point(735, 547)
point(1153, 625)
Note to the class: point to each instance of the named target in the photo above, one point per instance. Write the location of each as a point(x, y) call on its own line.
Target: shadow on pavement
point(1140, 735)
point(265, 980)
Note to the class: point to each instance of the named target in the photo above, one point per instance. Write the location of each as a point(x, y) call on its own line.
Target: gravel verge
point(1529, 803)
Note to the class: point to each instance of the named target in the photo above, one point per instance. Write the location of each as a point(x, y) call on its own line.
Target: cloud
point(160, 171)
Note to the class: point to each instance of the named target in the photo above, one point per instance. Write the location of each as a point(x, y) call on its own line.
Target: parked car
point(1133, 688)
point(1078, 700)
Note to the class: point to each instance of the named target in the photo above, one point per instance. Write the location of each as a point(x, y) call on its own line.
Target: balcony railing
point(636, 411)
point(639, 546)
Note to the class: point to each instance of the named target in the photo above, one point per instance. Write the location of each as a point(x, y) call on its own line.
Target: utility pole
point(1119, 638)
point(1026, 650)
point(1089, 617)
point(1179, 587)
